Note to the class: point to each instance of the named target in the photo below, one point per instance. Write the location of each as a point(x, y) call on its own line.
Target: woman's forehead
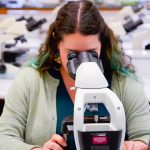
point(78, 41)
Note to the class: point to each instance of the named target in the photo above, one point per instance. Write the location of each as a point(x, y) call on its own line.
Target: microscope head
point(84, 66)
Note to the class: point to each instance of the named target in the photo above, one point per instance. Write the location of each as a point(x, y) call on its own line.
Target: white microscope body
point(91, 87)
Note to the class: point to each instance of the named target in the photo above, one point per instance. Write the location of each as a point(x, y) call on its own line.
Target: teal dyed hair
point(38, 61)
point(47, 53)
point(119, 67)
point(119, 63)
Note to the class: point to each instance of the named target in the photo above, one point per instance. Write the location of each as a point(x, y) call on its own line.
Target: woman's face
point(78, 43)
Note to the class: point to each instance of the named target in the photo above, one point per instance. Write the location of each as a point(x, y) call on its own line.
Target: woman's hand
point(55, 143)
point(134, 145)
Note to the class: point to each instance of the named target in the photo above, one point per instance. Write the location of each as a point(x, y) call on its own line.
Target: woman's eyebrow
point(72, 50)
point(69, 49)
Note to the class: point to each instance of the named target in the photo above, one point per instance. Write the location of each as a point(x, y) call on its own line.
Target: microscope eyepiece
point(77, 58)
point(72, 55)
point(94, 54)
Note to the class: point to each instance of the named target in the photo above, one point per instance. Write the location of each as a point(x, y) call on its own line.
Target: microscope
point(14, 31)
point(91, 88)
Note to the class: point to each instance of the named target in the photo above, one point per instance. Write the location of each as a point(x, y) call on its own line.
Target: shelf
point(5, 10)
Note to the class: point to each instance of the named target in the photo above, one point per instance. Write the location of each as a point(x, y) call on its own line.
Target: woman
point(40, 96)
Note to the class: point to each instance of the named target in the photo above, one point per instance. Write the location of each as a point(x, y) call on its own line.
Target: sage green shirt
point(29, 116)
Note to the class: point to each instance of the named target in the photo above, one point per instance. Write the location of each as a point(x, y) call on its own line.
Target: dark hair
point(85, 18)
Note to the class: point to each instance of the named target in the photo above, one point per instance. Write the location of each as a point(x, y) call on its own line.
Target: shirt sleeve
point(14, 117)
point(137, 111)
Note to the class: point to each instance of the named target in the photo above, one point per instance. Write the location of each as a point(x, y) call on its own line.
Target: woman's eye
point(92, 50)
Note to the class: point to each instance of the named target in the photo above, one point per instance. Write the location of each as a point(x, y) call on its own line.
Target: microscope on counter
point(130, 19)
point(13, 33)
point(138, 25)
point(91, 89)
point(132, 29)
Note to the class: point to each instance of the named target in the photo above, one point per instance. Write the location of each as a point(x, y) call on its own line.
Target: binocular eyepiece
point(76, 58)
